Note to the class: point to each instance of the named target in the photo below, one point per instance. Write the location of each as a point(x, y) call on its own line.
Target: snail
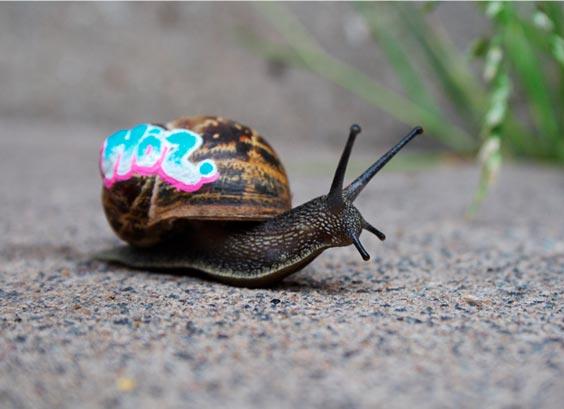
point(209, 195)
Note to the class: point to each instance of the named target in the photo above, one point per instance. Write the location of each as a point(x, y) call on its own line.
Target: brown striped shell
point(252, 185)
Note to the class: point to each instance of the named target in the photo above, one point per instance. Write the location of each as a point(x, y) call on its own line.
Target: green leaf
point(479, 47)
point(493, 59)
point(542, 21)
point(555, 12)
point(523, 58)
point(494, 9)
point(498, 107)
point(557, 48)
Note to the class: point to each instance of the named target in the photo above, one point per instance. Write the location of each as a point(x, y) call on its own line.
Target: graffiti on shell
point(149, 150)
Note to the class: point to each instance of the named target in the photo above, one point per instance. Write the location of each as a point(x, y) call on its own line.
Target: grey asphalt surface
point(447, 313)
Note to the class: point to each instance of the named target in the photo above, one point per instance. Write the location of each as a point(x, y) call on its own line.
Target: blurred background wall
point(111, 65)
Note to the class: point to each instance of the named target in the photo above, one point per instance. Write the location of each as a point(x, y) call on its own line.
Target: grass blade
point(317, 60)
point(384, 35)
point(447, 65)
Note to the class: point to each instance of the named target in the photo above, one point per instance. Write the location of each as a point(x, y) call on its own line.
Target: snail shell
point(240, 178)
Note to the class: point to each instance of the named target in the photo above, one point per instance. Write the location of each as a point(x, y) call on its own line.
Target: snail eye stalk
point(335, 196)
point(354, 189)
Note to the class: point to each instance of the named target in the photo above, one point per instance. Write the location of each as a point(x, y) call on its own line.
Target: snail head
point(340, 200)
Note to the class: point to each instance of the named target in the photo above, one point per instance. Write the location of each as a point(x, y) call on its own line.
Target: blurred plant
point(525, 52)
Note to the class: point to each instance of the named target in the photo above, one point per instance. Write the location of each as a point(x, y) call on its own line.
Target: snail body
point(229, 215)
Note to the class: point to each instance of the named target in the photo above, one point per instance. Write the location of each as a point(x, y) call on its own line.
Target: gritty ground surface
point(448, 312)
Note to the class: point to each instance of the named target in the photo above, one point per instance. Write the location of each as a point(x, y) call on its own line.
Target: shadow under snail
point(208, 194)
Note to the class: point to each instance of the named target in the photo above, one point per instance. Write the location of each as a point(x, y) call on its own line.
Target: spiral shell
point(156, 177)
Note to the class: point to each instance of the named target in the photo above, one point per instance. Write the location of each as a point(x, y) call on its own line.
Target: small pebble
point(472, 300)
point(125, 384)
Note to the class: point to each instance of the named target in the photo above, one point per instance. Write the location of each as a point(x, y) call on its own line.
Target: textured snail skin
point(252, 254)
